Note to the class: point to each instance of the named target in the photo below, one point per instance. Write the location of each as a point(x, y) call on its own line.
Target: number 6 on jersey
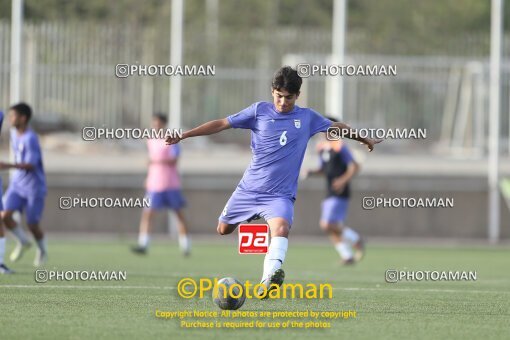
point(283, 138)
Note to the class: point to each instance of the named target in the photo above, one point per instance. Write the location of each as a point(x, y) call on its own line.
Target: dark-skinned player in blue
point(27, 186)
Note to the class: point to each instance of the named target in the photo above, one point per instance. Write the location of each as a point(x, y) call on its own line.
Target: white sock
point(275, 255)
point(143, 240)
point(184, 243)
point(2, 249)
point(41, 244)
point(345, 250)
point(350, 235)
point(20, 235)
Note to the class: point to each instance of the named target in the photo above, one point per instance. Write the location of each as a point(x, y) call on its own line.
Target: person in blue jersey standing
point(27, 186)
point(280, 132)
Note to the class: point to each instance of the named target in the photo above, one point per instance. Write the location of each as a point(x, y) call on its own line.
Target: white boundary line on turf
point(43, 285)
point(423, 290)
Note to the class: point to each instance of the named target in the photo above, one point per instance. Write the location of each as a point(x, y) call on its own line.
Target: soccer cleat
point(348, 262)
point(18, 252)
point(139, 250)
point(5, 270)
point(276, 278)
point(40, 258)
point(359, 250)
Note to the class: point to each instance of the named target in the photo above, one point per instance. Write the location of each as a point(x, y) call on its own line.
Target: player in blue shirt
point(279, 135)
point(27, 187)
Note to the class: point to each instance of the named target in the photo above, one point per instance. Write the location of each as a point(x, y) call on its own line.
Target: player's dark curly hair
point(22, 109)
point(286, 78)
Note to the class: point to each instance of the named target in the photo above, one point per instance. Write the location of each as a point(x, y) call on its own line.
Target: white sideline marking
point(423, 290)
point(43, 285)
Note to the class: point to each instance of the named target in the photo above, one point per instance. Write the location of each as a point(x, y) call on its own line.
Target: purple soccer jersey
point(27, 150)
point(278, 143)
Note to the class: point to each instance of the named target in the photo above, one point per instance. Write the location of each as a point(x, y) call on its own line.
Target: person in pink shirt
point(163, 188)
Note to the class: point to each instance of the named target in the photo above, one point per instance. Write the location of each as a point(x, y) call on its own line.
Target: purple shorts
point(170, 199)
point(334, 209)
point(243, 205)
point(33, 204)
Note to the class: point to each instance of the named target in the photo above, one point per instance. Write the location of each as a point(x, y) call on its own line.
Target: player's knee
point(280, 230)
point(6, 215)
point(328, 227)
point(33, 226)
point(223, 228)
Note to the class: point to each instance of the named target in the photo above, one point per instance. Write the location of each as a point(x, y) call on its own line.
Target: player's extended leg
point(273, 274)
point(144, 231)
point(22, 243)
point(334, 212)
point(352, 237)
point(225, 228)
point(42, 252)
point(36, 231)
point(240, 207)
point(347, 242)
point(334, 231)
point(34, 211)
point(184, 240)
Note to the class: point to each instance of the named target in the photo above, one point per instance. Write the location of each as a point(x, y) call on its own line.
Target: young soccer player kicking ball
point(339, 167)
point(27, 187)
point(279, 135)
point(163, 189)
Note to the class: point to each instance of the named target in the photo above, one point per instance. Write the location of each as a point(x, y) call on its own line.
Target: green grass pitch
point(126, 310)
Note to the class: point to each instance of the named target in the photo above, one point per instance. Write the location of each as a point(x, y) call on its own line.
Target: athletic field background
point(116, 309)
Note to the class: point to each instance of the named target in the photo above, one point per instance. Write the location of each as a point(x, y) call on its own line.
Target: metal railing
point(69, 78)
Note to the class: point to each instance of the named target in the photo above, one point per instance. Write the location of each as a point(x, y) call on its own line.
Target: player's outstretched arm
point(209, 128)
point(353, 134)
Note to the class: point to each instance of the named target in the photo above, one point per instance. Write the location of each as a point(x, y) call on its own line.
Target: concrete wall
point(207, 195)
